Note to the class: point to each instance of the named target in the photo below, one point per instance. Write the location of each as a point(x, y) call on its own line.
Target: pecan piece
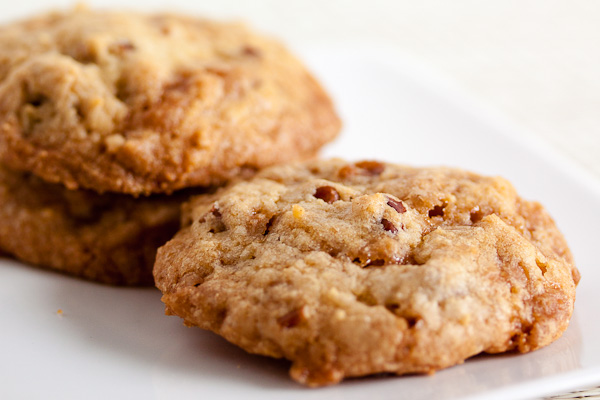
point(327, 193)
point(389, 226)
point(436, 211)
point(371, 167)
point(396, 205)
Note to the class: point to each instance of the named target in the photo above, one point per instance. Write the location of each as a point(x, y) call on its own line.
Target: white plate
point(116, 343)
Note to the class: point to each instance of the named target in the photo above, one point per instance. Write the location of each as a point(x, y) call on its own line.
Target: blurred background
point(535, 61)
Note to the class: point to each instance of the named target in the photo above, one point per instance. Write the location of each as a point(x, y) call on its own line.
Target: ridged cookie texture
point(139, 103)
point(350, 269)
point(108, 238)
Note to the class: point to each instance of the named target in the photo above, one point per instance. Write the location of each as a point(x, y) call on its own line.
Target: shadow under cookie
point(107, 238)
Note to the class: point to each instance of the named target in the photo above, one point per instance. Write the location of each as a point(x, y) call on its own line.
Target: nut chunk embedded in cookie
point(350, 269)
point(138, 103)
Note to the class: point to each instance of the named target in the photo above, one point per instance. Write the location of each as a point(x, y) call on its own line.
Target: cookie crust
point(387, 269)
point(107, 238)
point(139, 103)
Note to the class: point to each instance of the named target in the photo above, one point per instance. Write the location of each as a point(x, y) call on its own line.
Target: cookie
point(350, 269)
point(136, 103)
point(107, 238)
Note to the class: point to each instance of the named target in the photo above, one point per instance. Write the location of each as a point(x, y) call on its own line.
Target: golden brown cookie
point(350, 269)
point(138, 103)
point(109, 238)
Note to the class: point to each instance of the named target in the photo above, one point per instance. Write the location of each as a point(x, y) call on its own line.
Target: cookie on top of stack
point(104, 115)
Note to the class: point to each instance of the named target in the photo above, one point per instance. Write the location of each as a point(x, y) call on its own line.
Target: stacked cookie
point(110, 123)
point(104, 117)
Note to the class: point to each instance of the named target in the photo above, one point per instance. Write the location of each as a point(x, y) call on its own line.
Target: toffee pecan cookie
point(107, 238)
point(354, 269)
point(152, 103)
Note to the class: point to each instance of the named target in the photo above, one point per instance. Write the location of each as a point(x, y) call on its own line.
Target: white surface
point(115, 342)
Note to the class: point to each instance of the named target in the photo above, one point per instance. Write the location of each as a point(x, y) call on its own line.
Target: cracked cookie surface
point(137, 103)
point(350, 269)
point(108, 238)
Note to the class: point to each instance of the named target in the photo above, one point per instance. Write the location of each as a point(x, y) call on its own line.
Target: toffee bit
point(297, 211)
point(371, 167)
point(389, 226)
point(327, 193)
point(347, 171)
point(396, 205)
point(542, 266)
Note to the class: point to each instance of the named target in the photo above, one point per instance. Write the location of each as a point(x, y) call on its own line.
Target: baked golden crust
point(137, 103)
point(108, 238)
point(349, 269)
